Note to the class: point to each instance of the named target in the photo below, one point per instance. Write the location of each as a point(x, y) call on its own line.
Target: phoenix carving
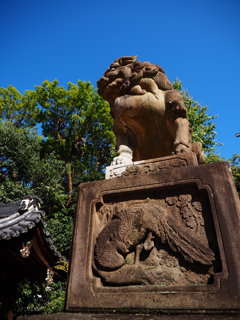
point(137, 227)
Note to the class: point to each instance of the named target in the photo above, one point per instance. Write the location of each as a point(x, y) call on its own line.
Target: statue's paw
point(181, 148)
point(147, 275)
point(121, 161)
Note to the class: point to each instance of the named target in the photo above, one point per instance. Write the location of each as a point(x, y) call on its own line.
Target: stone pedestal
point(157, 240)
point(160, 242)
point(132, 316)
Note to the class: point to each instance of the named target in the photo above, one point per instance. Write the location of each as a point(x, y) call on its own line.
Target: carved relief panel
point(166, 240)
point(155, 241)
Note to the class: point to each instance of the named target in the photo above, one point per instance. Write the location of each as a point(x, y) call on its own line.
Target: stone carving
point(152, 166)
point(143, 242)
point(150, 119)
point(114, 171)
point(190, 211)
point(155, 166)
point(126, 231)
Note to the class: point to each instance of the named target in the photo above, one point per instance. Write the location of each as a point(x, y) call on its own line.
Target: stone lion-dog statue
point(150, 118)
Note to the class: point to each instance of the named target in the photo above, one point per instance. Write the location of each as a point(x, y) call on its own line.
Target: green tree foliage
point(78, 128)
point(19, 109)
point(18, 152)
point(21, 166)
point(74, 143)
point(202, 125)
point(33, 298)
point(55, 298)
point(235, 166)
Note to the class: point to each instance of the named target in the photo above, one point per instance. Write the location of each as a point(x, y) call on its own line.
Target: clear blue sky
point(196, 41)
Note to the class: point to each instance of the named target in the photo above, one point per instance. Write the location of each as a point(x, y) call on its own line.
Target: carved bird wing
point(124, 225)
point(177, 238)
point(129, 231)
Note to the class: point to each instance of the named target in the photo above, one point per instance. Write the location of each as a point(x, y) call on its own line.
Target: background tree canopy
point(53, 138)
point(202, 125)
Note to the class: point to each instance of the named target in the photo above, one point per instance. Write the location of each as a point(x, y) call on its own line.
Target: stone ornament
point(144, 243)
point(152, 166)
point(150, 118)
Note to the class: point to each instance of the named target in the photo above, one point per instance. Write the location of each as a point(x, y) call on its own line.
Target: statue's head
point(126, 75)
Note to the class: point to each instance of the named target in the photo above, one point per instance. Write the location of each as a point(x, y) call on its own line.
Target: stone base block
point(85, 316)
point(158, 239)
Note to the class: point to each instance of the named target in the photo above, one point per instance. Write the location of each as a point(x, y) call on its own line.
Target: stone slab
point(208, 189)
point(84, 316)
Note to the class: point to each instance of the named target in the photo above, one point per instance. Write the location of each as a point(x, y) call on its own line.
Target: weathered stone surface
point(150, 119)
point(116, 170)
point(138, 316)
point(186, 159)
point(166, 240)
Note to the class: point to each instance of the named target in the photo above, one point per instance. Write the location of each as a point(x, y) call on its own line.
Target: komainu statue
point(150, 119)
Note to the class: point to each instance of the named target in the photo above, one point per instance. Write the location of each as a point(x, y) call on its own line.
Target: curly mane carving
point(150, 118)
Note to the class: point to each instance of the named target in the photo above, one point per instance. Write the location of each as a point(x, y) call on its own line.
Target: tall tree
point(51, 139)
point(78, 128)
point(21, 168)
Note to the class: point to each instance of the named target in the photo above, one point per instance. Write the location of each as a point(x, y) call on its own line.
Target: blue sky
point(197, 42)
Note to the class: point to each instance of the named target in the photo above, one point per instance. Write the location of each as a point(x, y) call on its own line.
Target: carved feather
point(177, 238)
point(131, 224)
point(106, 253)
